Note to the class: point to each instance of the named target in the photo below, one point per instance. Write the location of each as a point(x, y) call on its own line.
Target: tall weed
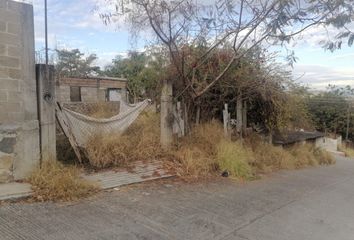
point(56, 182)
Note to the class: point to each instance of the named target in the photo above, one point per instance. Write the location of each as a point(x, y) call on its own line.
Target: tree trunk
point(244, 117)
point(166, 115)
point(186, 119)
point(226, 118)
point(239, 115)
point(197, 117)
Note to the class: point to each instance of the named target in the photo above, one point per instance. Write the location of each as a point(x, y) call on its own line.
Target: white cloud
point(318, 76)
point(66, 16)
point(313, 36)
point(344, 56)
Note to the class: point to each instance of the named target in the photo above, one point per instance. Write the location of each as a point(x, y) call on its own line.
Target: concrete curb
point(15, 191)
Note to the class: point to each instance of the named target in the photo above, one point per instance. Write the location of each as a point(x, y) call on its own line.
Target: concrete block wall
point(63, 93)
point(19, 131)
point(329, 144)
point(88, 94)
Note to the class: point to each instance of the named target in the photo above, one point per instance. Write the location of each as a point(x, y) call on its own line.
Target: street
point(314, 203)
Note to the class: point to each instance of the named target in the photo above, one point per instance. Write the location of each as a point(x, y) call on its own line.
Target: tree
point(243, 24)
point(73, 63)
point(329, 111)
point(142, 70)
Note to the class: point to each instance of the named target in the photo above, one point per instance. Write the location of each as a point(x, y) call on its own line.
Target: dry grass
point(349, 152)
point(206, 152)
point(56, 182)
point(308, 155)
point(139, 143)
point(203, 153)
point(192, 162)
point(304, 156)
point(196, 155)
point(206, 136)
point(269, 158)
point(101, 110)
point(323, 157)
point(101, 113)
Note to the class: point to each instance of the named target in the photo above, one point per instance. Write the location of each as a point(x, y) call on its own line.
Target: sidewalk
point(14, 190)
point(106, 179)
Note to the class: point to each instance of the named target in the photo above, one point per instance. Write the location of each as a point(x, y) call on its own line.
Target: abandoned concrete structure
point(90, 89)
point(19, 125)
point(318, 139)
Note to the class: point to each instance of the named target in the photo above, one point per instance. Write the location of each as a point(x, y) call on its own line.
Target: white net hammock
point(84, 127)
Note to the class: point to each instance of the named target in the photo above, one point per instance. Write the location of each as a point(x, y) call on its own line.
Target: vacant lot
point(314, 203)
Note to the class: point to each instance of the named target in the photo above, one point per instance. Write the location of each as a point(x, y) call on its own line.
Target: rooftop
point(295, 136)
point(99, 78)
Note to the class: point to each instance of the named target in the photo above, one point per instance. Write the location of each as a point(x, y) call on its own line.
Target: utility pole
point(46, 32)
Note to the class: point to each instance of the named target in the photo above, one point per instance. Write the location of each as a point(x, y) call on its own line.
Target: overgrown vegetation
point(203, 153)
point(234, 158)
point(57, 182)
point(348, 151)
point(331, 111)
point(268, 158)
point(140, 142)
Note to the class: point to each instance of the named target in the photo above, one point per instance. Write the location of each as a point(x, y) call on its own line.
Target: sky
point(75, 24)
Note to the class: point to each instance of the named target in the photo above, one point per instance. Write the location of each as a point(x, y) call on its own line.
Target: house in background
point(91, 89)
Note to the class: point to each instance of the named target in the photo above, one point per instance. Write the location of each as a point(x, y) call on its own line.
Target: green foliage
point(207, 74)
point(143, 71)
point(73, 63)
point(297, 114)
point(329, 110)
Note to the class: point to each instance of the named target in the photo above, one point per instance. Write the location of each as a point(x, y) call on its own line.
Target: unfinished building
point(90, 89)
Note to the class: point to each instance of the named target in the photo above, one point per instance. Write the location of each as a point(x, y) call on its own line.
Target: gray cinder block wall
point(19, 131)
